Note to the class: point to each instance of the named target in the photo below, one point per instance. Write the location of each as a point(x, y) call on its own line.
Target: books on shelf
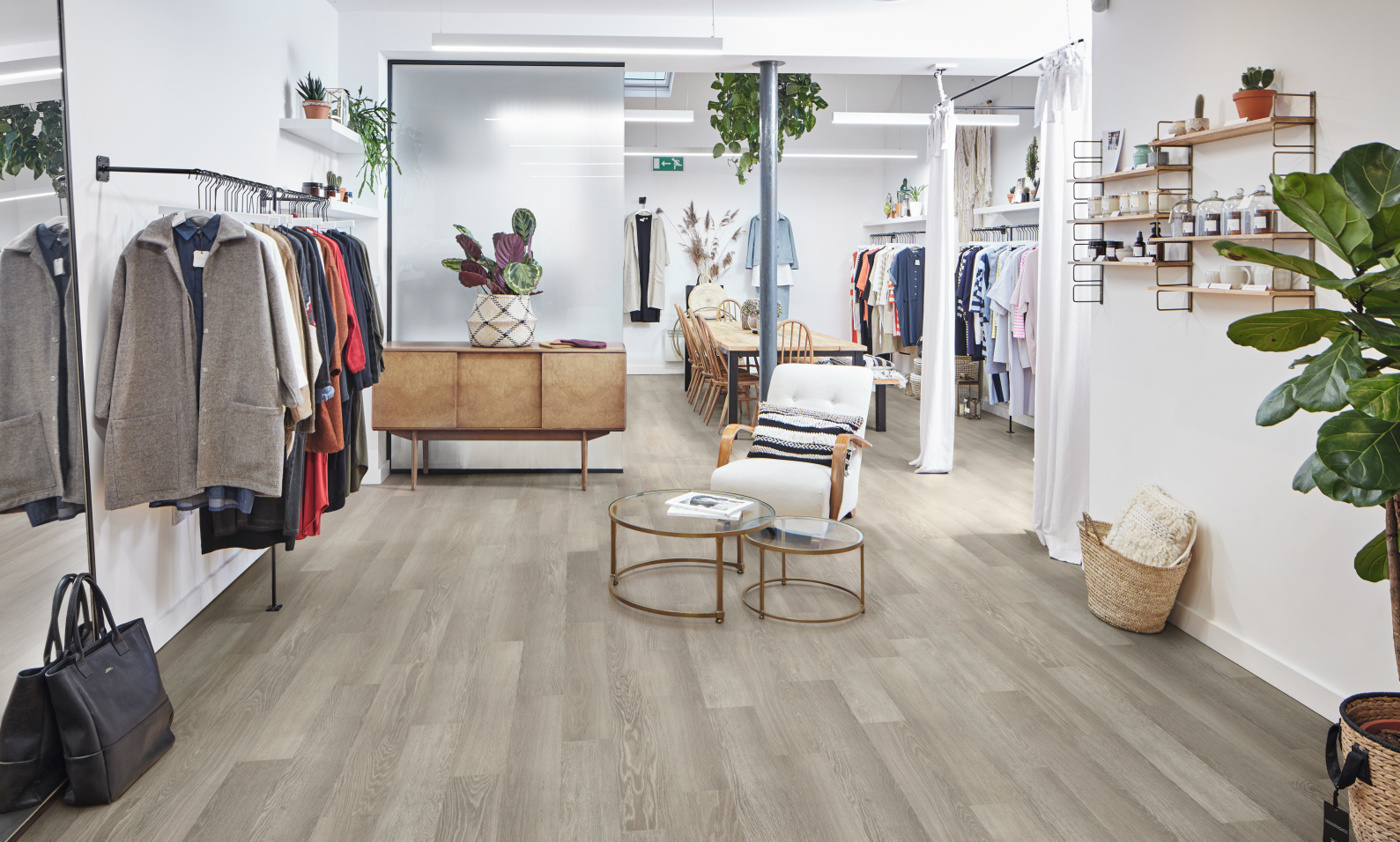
point(707, 504)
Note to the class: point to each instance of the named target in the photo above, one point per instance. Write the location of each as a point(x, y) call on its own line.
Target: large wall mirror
point(43, 470)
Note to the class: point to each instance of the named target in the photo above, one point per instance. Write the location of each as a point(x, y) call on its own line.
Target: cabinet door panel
point(498, 390)
point(417, 390)
point(585, 391)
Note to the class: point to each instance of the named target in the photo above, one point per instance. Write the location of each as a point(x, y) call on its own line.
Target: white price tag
point(200, 258)
point(58, 266)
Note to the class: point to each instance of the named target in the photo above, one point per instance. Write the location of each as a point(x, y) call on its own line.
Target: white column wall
point(201, 85)
point(1272, 585)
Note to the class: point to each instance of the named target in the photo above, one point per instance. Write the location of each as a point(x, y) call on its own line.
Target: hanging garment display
point(645, 257)
point(787, 249)
point(887, 289)
point(41, 458)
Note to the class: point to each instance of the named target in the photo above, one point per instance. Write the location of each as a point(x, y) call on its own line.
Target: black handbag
point(31, 757)
point(112, 711)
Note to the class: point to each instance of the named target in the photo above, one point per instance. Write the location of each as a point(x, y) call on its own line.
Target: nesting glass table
point(803, 536)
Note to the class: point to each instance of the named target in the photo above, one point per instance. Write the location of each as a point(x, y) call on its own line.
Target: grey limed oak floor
point(450, 666)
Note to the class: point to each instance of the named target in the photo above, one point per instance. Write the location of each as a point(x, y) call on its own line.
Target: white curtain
point(1061, 493)
point(940, 392)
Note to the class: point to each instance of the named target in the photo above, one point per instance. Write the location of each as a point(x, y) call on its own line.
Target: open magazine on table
point(707, 504)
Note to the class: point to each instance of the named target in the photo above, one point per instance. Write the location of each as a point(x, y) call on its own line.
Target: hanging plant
point(735, 116)
point(31, 138)
point(372, 121)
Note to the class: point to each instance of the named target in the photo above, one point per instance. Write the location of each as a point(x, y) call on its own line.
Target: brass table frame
point(718, 561)
point(763, 580)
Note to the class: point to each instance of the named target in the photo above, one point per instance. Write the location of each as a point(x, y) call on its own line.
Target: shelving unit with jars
point(1188, 224)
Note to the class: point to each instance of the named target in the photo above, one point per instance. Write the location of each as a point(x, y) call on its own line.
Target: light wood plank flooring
point(450, 666)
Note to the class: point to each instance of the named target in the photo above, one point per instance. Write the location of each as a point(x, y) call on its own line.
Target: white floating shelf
point(895, 223)
point(350, 210)
point(327, 134)
point(1018, 208)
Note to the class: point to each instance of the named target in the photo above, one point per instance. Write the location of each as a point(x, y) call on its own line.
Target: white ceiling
point(28, 22)
point(684, 8)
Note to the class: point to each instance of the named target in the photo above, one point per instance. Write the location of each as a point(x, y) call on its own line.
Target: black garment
point(53, 246)
point(962, 304)
point(273, 520)
point(313, 284)
point(189, 239)
point(908, 271)
point(645, 314)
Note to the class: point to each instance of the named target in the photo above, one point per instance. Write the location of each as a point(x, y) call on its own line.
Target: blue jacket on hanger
point(787, 252)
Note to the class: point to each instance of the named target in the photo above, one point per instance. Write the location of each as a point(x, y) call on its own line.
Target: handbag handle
point(101, 611)
point(1357, 766)
point(55, 646)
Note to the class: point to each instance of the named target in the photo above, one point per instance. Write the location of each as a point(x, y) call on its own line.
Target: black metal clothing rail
point(227, 192)
point(1009, 72)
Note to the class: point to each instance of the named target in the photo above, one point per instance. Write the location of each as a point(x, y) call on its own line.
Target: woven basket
point(1124, 593)
point(1375, 807)
point(969, 370)
point(916, 385)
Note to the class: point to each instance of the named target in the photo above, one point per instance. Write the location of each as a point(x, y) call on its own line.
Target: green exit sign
point(675, 164)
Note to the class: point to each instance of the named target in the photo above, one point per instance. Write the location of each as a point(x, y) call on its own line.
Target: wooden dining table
point(737, 344)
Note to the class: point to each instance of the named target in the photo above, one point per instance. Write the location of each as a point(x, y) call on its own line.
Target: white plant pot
point(501, 321)
point(916, 209)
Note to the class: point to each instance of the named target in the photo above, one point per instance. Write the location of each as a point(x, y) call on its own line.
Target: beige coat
point(632, 272)
point(31, 324)
point(172, 430)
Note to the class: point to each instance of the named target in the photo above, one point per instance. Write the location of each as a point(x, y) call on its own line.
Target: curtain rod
point(1009, 72)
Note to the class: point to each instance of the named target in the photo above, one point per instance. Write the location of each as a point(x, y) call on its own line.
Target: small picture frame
point(1112, 150)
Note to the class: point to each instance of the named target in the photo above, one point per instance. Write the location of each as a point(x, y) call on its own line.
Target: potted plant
point(31, 138)
point(735, 116)
point(313, 98)
point(372, 121)
point(502, 316)
point(333, 183)
point(710, 244)
point(748, 314)
point(916, 200)
point(1199, 123)
point(1354, 210)
point(1255, 100)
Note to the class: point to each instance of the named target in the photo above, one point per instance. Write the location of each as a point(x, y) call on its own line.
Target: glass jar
point(1183, 221)
point(1137, 202)
point(1111, 250)
point(1095, 207)
point(1111, 204)
point(1166, 201)
point(1259, 212)
point(1235, 213)
point(1210, 215)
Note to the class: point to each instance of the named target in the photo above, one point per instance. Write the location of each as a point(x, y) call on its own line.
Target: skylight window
point(635, 83)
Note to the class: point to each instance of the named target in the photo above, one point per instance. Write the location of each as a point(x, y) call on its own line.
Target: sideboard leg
point(413, 469)
point(583, 439)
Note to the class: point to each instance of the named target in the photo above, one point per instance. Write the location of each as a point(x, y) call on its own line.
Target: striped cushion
point(799, 435)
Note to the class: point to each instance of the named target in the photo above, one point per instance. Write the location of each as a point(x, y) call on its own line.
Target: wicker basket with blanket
point(1133, 569)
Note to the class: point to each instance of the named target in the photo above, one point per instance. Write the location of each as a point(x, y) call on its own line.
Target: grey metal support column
point(767, 222)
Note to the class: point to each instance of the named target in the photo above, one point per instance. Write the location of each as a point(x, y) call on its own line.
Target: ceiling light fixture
point(965, 119)
point(585, 44)
point(16, 198)
point(43, 75)
point(878, 118)
point(705, 152)
point(658, 115)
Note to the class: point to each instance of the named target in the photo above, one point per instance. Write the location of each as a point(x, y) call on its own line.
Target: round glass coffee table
point(649, 512)
point(804, 536)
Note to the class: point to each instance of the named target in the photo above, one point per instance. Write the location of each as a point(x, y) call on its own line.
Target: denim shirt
point(787, 250)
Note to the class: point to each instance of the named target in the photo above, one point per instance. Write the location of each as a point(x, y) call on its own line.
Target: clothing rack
point(1010, 419)
point(1009, 72)
point(219, 192)
point(895, 237)
point(1006, 233)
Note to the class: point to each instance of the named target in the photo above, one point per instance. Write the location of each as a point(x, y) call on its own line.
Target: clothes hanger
point(58, 224)
point(642, 200)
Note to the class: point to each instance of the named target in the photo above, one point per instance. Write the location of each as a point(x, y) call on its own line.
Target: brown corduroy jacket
point(176, 427)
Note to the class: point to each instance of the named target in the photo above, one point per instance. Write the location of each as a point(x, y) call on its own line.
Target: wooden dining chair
point(795, 343)
point(719, 369)
point(729, 310)
point(693, 353)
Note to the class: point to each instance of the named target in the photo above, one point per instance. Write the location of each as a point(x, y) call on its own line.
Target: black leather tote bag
point(31, 758)
point(112, 711)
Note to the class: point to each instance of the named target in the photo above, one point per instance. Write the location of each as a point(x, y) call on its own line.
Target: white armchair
point(803, 488)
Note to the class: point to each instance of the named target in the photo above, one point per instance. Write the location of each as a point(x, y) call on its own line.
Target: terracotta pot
point(1255, 105)
point(316, 109)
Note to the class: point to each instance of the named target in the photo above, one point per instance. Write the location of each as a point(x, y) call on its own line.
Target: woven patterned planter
point(1375, 807)
point(1124, 593)
point(501, 321)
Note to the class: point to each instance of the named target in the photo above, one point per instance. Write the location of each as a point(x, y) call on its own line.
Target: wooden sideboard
point(453, 391)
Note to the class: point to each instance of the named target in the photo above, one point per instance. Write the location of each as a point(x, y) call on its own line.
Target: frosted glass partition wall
point(476, 142)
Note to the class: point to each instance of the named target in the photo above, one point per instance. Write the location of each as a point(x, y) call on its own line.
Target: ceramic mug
point(1235, 276)
point(1208, 277)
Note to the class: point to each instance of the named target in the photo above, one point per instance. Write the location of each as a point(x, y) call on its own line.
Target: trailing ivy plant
point(735, 116)
point(372, 121)
point(31, 138)
point(1354, 210)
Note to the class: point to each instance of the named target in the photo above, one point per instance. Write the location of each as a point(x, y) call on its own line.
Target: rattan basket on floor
point(1124, 593)
point(1375, 807)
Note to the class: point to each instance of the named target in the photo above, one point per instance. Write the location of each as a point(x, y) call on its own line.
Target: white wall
point(158, 87)
point(1271, 585)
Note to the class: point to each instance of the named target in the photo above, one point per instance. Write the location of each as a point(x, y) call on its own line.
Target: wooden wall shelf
point(1257, 293)
point(1137, 217)
point(1237, 130)
point(1169, 264)
point(1137, 173)
point(1286, 235)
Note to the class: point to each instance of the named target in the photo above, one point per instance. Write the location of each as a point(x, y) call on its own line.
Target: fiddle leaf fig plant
point(31, 138)
point(1354, 210)
point(735, 116)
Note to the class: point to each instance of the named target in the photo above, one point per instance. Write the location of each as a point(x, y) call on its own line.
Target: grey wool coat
point(31, 329)
point(176, 427)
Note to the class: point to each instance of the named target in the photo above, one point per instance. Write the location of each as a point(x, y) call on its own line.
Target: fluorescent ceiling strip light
point(582, 44)
point(21, 76)
point(571, 163)
point(566, 146)
point(657, 115)
point(44, 194)
point(698, 152)
point(566, 175)
point(987, 119)
point(878, 118)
